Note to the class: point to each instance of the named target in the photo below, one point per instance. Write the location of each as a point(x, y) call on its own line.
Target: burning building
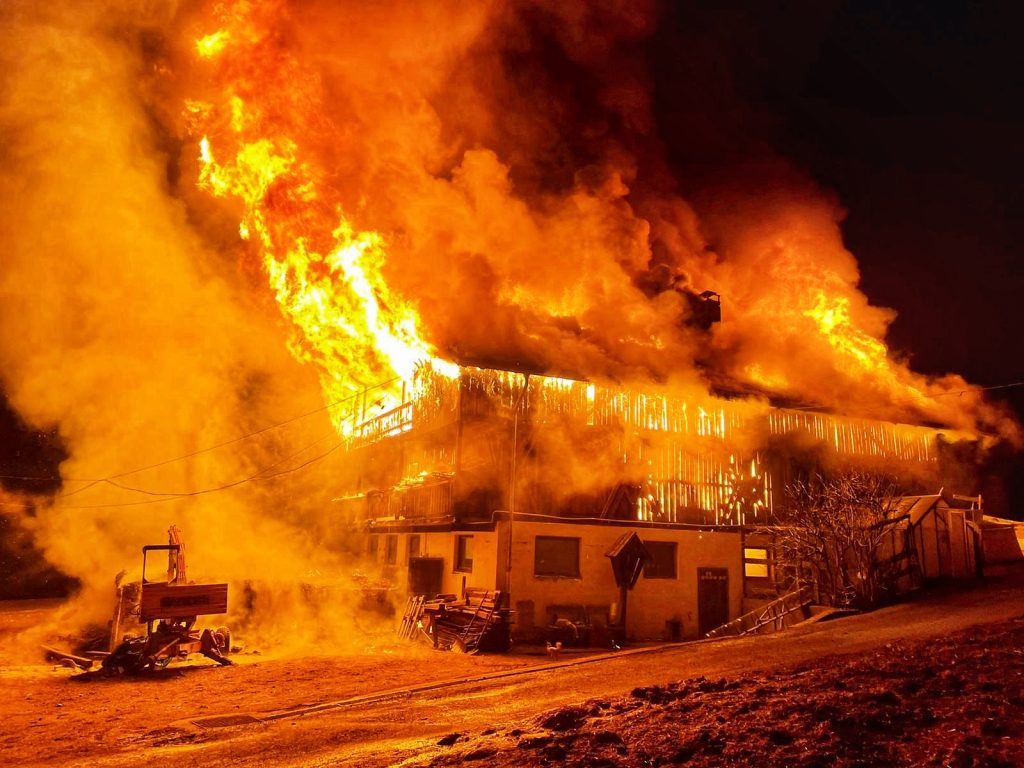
point(299, 204)
point(492, 479)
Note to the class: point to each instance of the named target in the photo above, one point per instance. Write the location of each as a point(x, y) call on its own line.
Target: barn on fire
point(526, 484)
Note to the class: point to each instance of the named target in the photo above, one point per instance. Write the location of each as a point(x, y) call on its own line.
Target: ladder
point(773, 613)
point(469, 637)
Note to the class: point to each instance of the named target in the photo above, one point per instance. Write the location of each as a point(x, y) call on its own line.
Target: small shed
point(945, 540)
point(1002, 541)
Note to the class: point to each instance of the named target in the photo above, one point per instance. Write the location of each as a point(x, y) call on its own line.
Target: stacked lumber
point(476, 622)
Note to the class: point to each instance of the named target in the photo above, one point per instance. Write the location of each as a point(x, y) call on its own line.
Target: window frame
point(754, 561)
point(674, 562)
point(391, 549)
point(551, 574)
point(461, 563)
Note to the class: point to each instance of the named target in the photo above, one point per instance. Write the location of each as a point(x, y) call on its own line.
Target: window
point(755, 563)
point(371, 548)
point(464, 553)
point(662, 564)
point(414, 545)
point(390, 549)
point(556, 556)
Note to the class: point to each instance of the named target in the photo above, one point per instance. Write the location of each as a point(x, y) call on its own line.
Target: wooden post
point(623, 594)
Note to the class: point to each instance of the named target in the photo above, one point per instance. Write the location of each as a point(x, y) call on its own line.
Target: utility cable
point(169, 496)
point(220, 487)
point(259, 476)
point(95, 481)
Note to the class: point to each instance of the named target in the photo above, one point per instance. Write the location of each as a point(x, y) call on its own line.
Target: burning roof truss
point(458, 445)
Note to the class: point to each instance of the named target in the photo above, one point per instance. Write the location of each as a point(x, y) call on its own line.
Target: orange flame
point(326, 275)
point(797, 324)
point(832, 314)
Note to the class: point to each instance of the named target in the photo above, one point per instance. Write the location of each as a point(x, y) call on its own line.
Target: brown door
point(712, 598)
point(426, 576)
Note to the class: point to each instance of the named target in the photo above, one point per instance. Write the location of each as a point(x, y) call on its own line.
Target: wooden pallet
point(411, 617)
point(449, 623)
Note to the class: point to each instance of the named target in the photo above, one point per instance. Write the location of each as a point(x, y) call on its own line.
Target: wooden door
point(712, 599)
point(426, 576)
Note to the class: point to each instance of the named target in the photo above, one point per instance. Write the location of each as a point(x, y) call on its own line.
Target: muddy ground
point(954, 701)
point(937, 681)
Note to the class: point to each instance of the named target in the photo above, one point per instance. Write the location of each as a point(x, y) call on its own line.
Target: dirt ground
point(939, 681)
point(53, 714)
point(956, 701)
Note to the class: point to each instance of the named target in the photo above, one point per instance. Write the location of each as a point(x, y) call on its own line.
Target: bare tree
point(840, 534)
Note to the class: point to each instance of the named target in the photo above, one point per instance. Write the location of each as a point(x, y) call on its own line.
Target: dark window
point(391, 549)
point(371, 548)
point(414, 545)
point(556, 556)
point(662, 564)
point(464, 553)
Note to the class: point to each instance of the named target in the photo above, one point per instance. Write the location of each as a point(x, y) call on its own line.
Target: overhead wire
point(219, 487)
point(261, 475)
point(170, 496)
point(174, 496)
point(262, 430)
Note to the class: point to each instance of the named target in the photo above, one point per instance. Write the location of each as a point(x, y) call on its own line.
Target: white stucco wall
point(651, 603)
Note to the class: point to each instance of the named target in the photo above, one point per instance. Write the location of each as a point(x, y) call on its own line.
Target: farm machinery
point(169, 608)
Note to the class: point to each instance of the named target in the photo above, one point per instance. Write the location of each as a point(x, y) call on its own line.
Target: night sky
point(910, 112)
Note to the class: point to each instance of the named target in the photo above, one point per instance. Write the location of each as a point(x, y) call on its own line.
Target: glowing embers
point(687, 485)
point(593, 404)
point(426, 398)
point(327, 275)
point(859, 437)
point(211, 45)
point(832, 315)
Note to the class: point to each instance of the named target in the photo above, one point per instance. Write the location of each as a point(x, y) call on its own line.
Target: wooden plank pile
point(476, 622)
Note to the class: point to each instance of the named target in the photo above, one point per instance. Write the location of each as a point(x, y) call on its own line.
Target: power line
point(219, 487)
point(259, 476)
point(95, 481)
point(172, 496)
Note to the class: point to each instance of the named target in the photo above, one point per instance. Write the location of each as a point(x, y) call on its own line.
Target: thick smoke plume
point(506, 153)
point(124, 328)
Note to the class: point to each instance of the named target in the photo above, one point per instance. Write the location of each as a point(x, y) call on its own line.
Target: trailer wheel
point(126, 659)
point(224, 637)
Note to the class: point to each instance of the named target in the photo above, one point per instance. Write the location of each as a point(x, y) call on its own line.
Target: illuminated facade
point(490, 440)
point(500, 480)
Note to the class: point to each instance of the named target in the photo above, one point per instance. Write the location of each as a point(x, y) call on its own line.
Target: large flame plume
point(123, 327)
point(326, 276)
point(317, 116)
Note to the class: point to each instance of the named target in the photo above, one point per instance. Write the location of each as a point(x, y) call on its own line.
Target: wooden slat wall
point(687, 450)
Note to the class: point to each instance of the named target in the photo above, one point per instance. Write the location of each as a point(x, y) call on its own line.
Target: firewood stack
point(476, 622)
